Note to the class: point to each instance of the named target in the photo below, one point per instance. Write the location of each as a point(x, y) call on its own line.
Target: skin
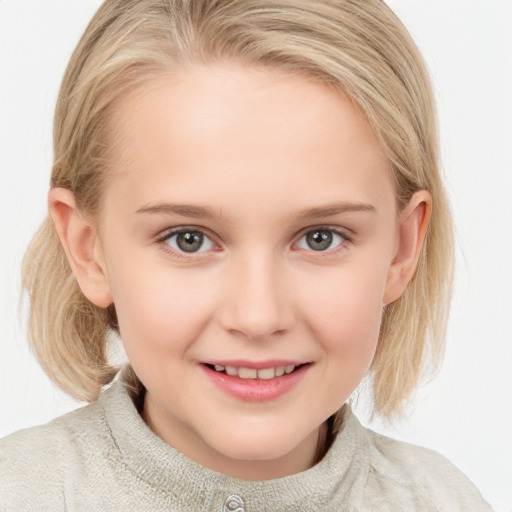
point(258, 147)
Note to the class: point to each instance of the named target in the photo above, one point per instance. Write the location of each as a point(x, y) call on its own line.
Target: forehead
point(219, 131)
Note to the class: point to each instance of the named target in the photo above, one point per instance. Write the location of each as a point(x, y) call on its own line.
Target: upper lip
point(256, 365)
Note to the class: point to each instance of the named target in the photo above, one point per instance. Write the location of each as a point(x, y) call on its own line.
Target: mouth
point(243, 372)
point(255, 382)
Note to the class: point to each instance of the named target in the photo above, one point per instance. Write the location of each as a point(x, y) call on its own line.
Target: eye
point(188, 241)
point(321, 239)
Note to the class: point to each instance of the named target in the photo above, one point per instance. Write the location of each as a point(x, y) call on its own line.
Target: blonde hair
point(358, 46)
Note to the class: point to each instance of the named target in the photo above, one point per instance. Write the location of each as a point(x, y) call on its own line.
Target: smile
point(253, 373)
point(268, 381)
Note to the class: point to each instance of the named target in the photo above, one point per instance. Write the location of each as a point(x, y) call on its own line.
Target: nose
point(257, 303)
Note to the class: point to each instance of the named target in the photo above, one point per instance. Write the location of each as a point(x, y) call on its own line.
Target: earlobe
point(413, 225)
point(81, 245)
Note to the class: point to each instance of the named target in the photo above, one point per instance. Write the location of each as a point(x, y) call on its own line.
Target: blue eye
point(189, 241)
point(321, 240)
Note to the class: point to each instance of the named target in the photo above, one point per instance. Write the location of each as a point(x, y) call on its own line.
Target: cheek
point(158, 309)
point(345, 311)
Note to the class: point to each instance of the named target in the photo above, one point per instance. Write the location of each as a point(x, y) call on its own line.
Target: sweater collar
point(170, 471)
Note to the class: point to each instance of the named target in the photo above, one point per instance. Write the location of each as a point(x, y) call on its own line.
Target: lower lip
point(256, 390)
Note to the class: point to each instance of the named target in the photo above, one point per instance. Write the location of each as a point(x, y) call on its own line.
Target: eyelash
point(183, 256)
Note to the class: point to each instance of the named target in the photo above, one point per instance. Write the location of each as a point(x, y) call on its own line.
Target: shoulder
point(34, 462)
point(417, 478)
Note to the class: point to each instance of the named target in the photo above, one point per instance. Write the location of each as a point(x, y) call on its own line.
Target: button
point(234, 504)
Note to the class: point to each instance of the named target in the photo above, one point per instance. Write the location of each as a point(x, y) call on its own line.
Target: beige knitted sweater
point(103, 457)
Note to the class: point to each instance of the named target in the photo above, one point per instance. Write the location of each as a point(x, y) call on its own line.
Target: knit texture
point(103, 457)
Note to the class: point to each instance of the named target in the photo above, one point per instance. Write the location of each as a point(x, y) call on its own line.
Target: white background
point(466, 412)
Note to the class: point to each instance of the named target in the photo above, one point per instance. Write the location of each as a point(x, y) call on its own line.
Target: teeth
point(251, 373)
point(231, 370)
point(247, 373)
point(266, 374)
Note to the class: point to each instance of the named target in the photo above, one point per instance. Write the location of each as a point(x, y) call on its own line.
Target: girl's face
point(250, 223)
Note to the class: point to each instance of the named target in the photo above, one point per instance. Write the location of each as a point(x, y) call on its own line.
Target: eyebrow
point(186, 210)
point(335, 209)
point(204, 212)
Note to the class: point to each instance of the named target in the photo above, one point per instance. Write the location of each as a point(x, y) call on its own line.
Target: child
point(248, 194)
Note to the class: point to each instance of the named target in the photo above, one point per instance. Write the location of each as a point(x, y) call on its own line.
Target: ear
point(413, 224)
point(82, 246)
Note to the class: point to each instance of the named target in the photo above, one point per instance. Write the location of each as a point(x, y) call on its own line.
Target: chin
point(261, 446)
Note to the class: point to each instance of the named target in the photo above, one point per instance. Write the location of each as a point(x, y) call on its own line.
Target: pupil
point(189, 241)
point(319, 240)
